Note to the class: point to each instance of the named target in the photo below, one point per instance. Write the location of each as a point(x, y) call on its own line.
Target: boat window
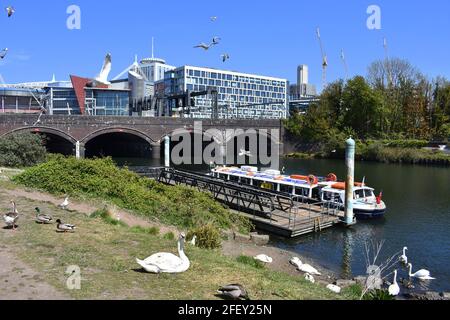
point(362, 193)
point(302, 192)
point(332, 197)
point(285, 189)
point(234, 178)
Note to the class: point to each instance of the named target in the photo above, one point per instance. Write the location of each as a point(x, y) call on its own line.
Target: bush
point(378, 295)
point(208, 237)
point(101, 179)
point(20, 150)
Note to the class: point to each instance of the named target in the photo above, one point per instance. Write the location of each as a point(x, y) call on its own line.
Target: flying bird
point(225, 57)
point(204, 46)
point(106, 69)
point(213, 19)
point(3, 53)
point(216, 41)
point(10, 11)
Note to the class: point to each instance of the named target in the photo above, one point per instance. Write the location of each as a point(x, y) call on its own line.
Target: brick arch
point(44, 130)
point(130, 131)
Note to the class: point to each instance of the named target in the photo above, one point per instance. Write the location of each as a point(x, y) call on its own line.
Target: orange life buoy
point(332, 178)
point(313, 179)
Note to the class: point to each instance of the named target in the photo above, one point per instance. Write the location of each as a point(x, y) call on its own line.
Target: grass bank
point(101, 179)
point(406, 152)
point(106, 254)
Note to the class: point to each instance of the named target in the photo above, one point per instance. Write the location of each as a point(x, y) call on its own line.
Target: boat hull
point(369, 214)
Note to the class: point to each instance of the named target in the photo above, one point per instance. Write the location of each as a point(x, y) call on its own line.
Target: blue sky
point(262, 36)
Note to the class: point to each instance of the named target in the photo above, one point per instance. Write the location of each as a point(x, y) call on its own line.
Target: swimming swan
point(167, 262)
point(421, 274)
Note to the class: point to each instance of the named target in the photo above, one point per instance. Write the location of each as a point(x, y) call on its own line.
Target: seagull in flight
point(3, 53)
point(213, 19)
point(216, 40)
point(10, 11)
point(225, 57)
point(204, 46)
point(245, 153)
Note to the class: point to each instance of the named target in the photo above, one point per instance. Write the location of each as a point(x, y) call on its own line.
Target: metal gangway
point(280, 213)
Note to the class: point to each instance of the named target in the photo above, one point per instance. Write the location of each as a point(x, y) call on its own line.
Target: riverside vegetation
point(393, 112)
point(105, 249)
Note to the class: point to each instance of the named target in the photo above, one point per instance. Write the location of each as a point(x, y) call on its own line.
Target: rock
point(361, 280)
point(259, 239)
point(445, 295)
point(241, 237)
point(431, 295)
point(344, 283)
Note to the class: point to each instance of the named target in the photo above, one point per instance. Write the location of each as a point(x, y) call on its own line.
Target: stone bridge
point(79, 131)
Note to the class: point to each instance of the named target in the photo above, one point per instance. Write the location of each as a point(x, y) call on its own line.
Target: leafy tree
point(22, 150)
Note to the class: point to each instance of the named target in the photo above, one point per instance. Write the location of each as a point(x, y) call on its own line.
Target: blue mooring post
point(167, 151)
point(350, 182)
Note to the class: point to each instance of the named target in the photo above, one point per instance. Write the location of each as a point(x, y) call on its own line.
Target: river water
point(418, 216)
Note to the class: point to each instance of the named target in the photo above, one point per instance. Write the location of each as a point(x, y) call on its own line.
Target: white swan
point(422, 274)
point(394, 289)
point(263, 258)
point(167, 262)
point(404, 258)
point(334, 288)
point(306, 268)
point(310, 278)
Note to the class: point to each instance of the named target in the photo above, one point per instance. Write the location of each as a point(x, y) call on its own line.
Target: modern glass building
point(107, 102)
point(19, 100)
point(240, 95)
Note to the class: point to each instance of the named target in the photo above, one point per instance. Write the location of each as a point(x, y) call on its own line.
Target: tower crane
point(324, 60)
point(344, 61)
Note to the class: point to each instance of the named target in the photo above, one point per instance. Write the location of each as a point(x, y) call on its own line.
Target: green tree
point(22, 150)
point(362, 108)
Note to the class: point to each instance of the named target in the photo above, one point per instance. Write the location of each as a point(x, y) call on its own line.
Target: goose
point(263, 258)
point(12, 217)
point(306, 268)
point(310, 278)
point(43, 218)
point(394, 289)
point(64, 227)
point(404, 258)
point(422, 274)
point(167, 262)
point(65, 203)
point(234, 292)
point(334, 288)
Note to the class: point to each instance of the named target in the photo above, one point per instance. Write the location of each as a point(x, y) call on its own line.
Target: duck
point(43, 218)
point(306, 268)
point(334, 288)
point(12, 217)
point(394, 289)
point(422, 274)
point(167, 262)
point(403, 257)
point(310, 278)
point(65, 203)
point(64, 227)
point(263, 258)
point(233, 292)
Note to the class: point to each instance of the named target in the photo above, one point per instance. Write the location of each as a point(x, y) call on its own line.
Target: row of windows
point(230, 77)
point(233, 84)
point(242, 93)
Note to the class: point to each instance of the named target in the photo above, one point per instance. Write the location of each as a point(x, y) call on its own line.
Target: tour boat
point(307, 188)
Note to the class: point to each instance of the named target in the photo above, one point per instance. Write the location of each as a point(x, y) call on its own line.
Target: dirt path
point(88, 208)
point(19, 282)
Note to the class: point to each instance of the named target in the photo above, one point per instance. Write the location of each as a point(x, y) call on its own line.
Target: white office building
point(240, 95)
point(154, 69)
